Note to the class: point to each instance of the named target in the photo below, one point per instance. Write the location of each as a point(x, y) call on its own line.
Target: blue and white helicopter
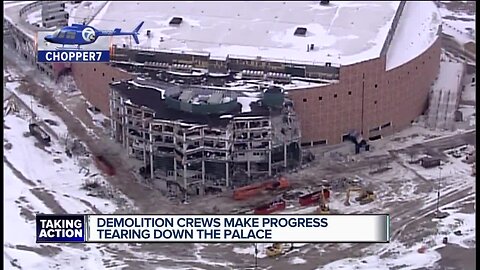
point(80, 34)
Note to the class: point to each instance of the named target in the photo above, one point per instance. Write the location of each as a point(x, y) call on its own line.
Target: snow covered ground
point(44, 180)
point(401, 185)
point(409, 257)
point(45, 187)
point(458, 23)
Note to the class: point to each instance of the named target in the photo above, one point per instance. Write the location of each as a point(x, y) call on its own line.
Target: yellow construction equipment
point(278, 249)
point(323, 207)
point(275, 250)
point(366, 196)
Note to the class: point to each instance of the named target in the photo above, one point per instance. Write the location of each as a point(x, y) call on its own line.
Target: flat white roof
point(416, 31)
point(343, 32)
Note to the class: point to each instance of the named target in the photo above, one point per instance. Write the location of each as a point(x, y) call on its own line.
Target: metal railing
point(29, 7)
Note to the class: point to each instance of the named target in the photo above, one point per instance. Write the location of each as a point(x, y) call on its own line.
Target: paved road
point(437, 146)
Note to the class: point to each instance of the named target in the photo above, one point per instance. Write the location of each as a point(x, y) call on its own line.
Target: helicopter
point(81, 34)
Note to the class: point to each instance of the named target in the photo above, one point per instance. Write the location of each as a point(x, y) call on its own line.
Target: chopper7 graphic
point(79, 34)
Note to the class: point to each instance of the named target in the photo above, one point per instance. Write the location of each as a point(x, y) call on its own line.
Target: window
point(94, 69)
point(375, 102)
point(320, 98)
point(103, 74)
point(376, 85)
point(349, 93)
point(55, 34)
point(70, 35)
point(335, 96)
point(387, 125)
point(364, 75)
point(416, 68)
point(321, 142)
point(304, 100)
point(374, 138)
point(61, 34)
point(113, 79)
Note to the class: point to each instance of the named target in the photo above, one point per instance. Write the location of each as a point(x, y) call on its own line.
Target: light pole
point(438, 188)
point(255, 254)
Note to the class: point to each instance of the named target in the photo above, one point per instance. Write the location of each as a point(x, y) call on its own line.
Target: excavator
point(277, 249)
point(366, 196)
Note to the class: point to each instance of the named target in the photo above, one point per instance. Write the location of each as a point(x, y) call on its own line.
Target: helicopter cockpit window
point(70, 35)
point(61, 34)
point(56, 33)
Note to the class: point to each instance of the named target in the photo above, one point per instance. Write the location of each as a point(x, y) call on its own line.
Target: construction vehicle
point(277, 249)
point(269, 208)
point(39, 133)
point(314, 197)
point(323, 207)
point(366, 196)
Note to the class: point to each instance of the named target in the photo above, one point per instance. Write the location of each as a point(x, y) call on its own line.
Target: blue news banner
point(213, 228)
point(61, 228)
point(69, 56)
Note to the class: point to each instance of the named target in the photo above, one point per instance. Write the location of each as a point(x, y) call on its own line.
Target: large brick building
point(376, 62)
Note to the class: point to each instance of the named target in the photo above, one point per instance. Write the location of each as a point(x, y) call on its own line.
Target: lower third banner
point(214, 228)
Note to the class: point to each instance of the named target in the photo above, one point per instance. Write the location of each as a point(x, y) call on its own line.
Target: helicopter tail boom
point(118, 32)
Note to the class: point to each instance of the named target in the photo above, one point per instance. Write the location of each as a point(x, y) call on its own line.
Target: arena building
point(376, 60)
point(342, 67)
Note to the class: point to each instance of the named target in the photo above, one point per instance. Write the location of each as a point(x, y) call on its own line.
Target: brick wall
point(367, 97)
point(93, 80)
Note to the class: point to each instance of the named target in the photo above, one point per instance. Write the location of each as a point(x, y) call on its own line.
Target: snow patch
point(297, 260)
point(245, 102)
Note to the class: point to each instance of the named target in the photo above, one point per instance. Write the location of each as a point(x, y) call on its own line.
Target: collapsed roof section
point(200, 105)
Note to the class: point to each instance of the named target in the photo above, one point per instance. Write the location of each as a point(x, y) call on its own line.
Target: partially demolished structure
point(197, 139)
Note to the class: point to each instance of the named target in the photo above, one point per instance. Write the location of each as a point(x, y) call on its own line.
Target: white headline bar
point(238, 228)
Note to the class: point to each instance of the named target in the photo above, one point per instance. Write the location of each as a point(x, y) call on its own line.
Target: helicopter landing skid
point(68, 48)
